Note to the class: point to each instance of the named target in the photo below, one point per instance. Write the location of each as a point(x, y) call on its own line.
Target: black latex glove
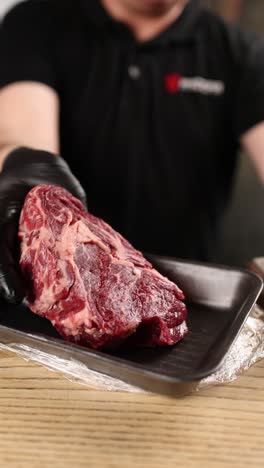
point(23, 169)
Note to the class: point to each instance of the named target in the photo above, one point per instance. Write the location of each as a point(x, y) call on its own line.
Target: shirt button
point(134, 72)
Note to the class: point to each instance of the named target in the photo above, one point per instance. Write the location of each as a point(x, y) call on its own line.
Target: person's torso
point(147, 128)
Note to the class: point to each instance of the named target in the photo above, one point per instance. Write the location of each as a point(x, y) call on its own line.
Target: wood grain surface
point(47, 421)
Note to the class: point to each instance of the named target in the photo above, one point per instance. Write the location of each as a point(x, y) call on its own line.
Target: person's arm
point(28, 117)
point(29, 147)
point(248, 97)
point(29, 133)
point(253, 143)
point(29, 78)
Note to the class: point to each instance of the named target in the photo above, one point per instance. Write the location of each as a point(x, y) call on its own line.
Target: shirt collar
point(181, 30)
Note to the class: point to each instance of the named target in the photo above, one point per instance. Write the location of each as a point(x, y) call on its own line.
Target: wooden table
point(47, 421)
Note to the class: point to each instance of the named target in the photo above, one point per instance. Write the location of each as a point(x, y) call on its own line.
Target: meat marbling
point(93, 286)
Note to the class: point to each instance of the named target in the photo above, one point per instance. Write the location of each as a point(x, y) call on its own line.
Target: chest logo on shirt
point(175, 83)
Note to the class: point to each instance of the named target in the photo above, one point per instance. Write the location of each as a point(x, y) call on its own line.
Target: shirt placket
point(135, 77)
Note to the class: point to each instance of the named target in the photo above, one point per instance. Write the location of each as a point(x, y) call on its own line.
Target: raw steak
point(93, 286)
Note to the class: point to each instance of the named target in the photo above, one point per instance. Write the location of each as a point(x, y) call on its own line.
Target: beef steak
point(93, 286)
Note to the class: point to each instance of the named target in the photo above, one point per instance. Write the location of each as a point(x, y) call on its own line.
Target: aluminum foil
point(246, 351)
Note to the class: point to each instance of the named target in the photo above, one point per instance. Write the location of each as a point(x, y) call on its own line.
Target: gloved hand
point(23, 169)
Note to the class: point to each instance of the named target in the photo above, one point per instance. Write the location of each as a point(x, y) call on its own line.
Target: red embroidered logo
point(172, 82)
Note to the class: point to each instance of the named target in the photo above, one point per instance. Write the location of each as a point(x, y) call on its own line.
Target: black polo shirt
point(151, 129)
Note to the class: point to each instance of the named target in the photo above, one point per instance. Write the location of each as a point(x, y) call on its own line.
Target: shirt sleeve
point(26, 45)
point(249, 87)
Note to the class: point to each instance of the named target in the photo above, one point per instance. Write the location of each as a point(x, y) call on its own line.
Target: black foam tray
point(219, 301)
